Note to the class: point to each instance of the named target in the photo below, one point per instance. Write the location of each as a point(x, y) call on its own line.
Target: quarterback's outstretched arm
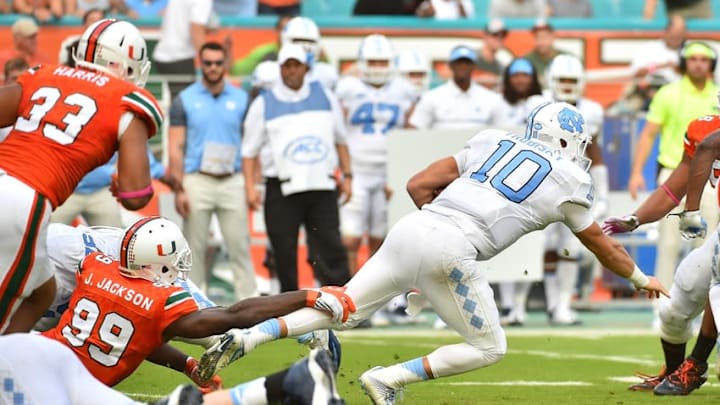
point(613, 256)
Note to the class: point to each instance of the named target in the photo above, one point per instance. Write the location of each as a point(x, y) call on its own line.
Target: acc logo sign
point(306, 150)
point(570, 120)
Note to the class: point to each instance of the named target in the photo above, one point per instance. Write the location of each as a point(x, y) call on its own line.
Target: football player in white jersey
point(374, 103)
point(415, 68)
point(472, 206)
point(566, 82)
point(304, 31)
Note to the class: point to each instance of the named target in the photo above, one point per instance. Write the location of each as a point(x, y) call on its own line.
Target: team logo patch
point(306, 150)
point(161, 251)
point(570, 120)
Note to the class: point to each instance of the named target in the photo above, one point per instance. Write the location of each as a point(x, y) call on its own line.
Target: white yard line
point(522, 383)
point(580, 333)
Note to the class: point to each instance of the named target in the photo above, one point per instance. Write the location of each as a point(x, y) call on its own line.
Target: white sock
point(399, 375)
point(567, 273)
point(250, 393)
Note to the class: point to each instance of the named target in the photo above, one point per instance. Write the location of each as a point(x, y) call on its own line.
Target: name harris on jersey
point(97, 78)
point(117, 289)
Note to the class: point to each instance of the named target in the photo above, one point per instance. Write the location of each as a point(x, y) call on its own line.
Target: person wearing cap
point(674, 106)
point(446, 9)
point(493, 55)
point(296, 132)
point(25, 43)
point(205, 141)
point(459, 103)
point(517, 9)
point(544, 50)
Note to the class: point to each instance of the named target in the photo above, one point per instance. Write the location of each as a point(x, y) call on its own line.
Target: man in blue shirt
point(204, 150)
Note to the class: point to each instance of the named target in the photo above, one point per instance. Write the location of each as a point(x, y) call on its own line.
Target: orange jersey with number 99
point(114, 322)
point(69, 122)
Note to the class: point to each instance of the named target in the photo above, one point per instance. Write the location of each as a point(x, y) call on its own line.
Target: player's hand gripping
point(191, 370)
point(627, 223)
point(692, 225)
point(333, 301)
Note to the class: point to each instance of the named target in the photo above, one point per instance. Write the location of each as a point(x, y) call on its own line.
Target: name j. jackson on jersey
point(98, 79)
point(128, 294)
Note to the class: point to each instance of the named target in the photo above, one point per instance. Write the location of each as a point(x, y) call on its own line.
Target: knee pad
point(675, 325)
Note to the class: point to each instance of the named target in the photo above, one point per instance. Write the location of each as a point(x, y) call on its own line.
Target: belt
point(216, 175)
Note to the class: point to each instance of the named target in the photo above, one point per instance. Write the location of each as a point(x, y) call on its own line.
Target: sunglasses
point(209, 63)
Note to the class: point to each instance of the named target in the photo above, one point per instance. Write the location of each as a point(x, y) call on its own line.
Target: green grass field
point(588, 366)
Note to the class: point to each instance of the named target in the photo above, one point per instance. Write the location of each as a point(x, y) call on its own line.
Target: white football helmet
point(302, 31)
point(561, 126)
point(414, 67)
point(266, 74)
point(566, 66)
point(114, 47)
point(155, 249)
point(375, 47)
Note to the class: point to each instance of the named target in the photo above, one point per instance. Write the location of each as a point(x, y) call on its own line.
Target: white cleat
point(379, 392)
point(229, 348)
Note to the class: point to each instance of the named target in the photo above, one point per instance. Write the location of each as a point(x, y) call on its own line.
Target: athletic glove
point(333, 301)
point(627, 223)
point(692, 225)
point(191, 370)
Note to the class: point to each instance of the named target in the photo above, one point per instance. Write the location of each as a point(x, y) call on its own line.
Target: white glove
point(627, 223)
point(599, 175)
point(692, 225)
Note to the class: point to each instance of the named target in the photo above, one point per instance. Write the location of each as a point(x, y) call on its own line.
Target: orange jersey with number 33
point(68, 123)
point(115, 322)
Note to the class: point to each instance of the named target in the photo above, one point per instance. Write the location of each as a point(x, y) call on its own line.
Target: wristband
point(126, 195)
point(670, 194)
point(311, 297)
point(638, 278)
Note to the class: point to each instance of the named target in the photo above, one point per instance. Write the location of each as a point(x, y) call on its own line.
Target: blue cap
point(462, 52)
point(521, 65)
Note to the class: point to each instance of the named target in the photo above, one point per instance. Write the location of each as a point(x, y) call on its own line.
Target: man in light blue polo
point(295, 132)
point(459, 103)
point(205, 140)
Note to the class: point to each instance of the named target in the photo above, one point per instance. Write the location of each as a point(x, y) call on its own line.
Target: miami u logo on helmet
point(570, 120)
point(160, 250)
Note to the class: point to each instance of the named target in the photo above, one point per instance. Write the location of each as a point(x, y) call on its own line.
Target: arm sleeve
point(254, 128)
point(577, 217)
point(144, 106)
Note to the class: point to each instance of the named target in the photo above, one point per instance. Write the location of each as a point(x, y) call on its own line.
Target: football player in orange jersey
point(67, 121)
point(122, 312)
point(691, 283)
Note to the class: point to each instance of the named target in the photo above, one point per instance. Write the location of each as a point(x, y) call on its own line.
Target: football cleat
point(229, 348)
point(688, 377)
point(186, 394)
point(649, 382)
point(379, 392)
point(311, 381)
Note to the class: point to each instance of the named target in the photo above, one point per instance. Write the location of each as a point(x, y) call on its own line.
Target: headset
point(683, 64)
